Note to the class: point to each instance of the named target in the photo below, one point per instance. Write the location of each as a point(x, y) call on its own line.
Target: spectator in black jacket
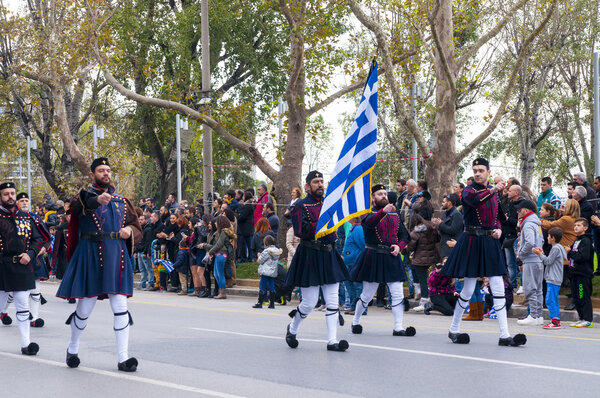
point(586, 210)
point(451, 225)
point(581, 258)
point(590, 195)
point(401, 188)
point(273, 220)
point(509, 232)
point(245, 228)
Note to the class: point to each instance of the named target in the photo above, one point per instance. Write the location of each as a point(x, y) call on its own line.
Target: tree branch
point(401, 112)
point(490, 34)
point(391, 139)
point(511, 84)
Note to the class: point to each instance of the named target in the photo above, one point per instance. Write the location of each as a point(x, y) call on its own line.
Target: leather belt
point(99, 236)
point(15, 259)
point(478, 231)
point(379, 248)
point(316, 245)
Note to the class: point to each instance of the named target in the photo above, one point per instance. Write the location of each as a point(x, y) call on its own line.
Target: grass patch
point(247, 271)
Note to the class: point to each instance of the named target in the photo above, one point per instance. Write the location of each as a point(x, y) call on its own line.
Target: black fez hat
point(526, 204)
point(6, 185)
point(22, 195)
point(481, 162)
point(313, 174)
point(99, 162)
point(377, 187)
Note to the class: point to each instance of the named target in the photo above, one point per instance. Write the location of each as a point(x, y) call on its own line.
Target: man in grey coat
point(533, 270)
point(451, 225)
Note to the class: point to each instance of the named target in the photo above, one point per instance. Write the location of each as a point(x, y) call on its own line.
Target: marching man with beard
point(478, 253)
point(385, 237)
point(103, 230)
point(21, 240)
point(316, 264)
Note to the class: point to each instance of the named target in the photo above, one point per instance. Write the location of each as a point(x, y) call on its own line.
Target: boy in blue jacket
point(353, 247)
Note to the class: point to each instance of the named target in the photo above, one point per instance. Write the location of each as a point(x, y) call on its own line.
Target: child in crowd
point(182, 265)
point(441, 292)
point(488, 297)
point(533, 270)
point(268, 260)
point(353, 247)
point(581, 263)
point(553, 274)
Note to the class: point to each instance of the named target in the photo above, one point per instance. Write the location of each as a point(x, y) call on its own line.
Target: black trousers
point(581, 289)
point(444, 304)
point(420, 277)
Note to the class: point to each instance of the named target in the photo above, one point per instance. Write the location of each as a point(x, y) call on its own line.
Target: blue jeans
point(219, 270)
point(354, 290)
point(476, 297)
point(146, 269)
point(266, 284)
point(552, 300)
point(511, 262)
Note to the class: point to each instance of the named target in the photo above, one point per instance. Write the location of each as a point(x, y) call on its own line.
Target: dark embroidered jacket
point(305, 215)
point(480, 207)
point(384, 229)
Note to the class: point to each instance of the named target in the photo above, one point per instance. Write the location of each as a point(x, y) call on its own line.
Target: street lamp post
point(596, 114)
point(207, 150)
point(180, 124)
point(415, 92)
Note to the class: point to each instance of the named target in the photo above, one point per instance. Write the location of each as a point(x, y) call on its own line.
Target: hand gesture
point(537, 250)
point(451, 243)
point(104, 199)
point(389, 207)
point(436, 221)
point(499, 187)
point(125, 233)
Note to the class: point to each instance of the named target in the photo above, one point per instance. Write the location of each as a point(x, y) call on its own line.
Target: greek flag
point(349, 191)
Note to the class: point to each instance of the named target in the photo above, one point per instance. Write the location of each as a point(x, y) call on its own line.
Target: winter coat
point(451, 228)
point(423, 244)
point(530, 238)
point(246, 220)
point(258, 244)
point(509, 226)
point(567, 225)
point(553, 271)
point(224, 241)
point(581, 256)
point(274, 223)
point(354, 246)
point(147, 238)
point(260, 203)
point(586, 210)
point(182, 261)
point(268, 260)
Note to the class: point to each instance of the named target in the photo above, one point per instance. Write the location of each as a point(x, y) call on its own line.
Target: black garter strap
point(297, 310)
point(128, 323)
point(71, 318)
point(462, 299)
point(401, 302)
point(332, 311)
point(23, 312)
point(361, 300)
point(10, 299)
point(35, 297)
point(501, 308)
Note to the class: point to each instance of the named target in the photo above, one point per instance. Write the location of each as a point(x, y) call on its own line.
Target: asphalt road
point(223, 348)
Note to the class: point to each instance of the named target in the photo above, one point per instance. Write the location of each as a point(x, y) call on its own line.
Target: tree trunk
point(527, 165)
point(442, 167)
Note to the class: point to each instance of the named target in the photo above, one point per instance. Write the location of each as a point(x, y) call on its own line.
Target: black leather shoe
point(31, 349)
point(517, 340)
point(290, 338)
point(459, 338)
point(409, 331)
point(38, 323)
point(341, 346)
point(72, 360)
point(570, 307)
point(129, 365)
point(356, 329)
point(6, 319)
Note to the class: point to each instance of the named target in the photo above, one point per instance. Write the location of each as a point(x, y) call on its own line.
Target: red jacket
point(258, 210)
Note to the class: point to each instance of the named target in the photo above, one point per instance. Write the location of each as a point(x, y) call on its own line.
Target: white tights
point(122, 320)
point(21, 300)
point(310, 296)
point(369, 290)
point(497, 289)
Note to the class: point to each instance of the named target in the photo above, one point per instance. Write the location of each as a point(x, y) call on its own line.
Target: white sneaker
point(529, 321)
point(419, 308)
point(540, 320)
point(520, 290)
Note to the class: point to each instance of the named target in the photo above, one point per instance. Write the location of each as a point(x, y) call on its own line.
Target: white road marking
point(420, 352)
point(124, 376)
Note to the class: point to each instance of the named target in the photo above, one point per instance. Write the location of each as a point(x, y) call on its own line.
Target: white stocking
point(310, 296)
point(118, 303)
point(22, 304)
point(462, 302)
point(331, 295)
point(368, 291)
point(497, 291)
point(78, 321)
point(397, 293)
point(34, 300)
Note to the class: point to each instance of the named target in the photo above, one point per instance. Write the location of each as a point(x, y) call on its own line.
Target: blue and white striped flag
point(349, 191)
